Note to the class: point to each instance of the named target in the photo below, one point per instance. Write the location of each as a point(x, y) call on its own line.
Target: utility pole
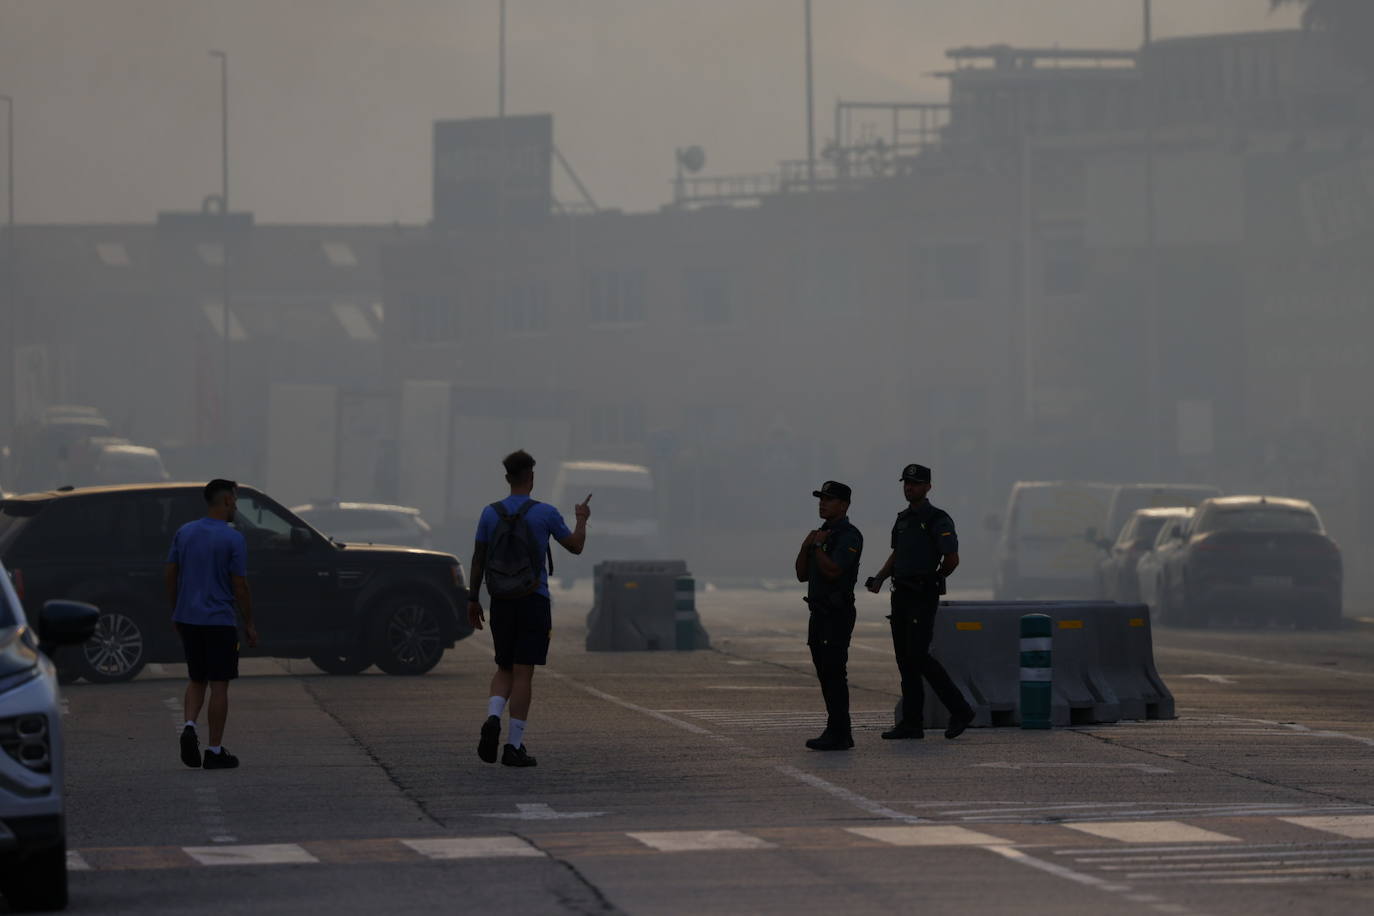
point(225, 415)
point(11, 268)
point(1153, 330)
point(810, 111)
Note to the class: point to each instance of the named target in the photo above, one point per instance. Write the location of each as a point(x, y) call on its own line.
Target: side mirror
point(991, 522)
point(300, 539)
point(65, 623)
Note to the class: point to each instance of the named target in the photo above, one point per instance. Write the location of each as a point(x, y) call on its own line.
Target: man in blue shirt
point(207, 576)
point(521, 624)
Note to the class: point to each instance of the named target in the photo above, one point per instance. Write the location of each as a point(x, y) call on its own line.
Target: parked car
point(33, 859)
point(1150, 568)
point(368, 523)
point(1129, 497)
point(1253, 559)
point(343, 607)
point(1116, 571)
point(1041, 551)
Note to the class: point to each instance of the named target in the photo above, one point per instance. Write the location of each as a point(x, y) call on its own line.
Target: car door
point(292, 576)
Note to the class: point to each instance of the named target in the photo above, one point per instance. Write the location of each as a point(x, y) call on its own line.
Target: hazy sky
point(117, 101)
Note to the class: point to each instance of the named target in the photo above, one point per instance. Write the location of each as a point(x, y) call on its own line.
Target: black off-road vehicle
point(344, 607)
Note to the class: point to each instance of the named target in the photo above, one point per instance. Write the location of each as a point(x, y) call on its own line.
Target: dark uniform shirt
point(920, 537)
point(832, 600)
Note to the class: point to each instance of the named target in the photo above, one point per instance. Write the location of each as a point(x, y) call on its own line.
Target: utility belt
point(923, 583)
point(843, 604)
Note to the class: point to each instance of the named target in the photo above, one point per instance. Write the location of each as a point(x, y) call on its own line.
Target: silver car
point(33, 841)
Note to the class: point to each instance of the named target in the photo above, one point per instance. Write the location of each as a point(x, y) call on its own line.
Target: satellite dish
point(692, 158)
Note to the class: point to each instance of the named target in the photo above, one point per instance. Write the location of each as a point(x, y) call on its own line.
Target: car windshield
point(619, 503)
point(1269, 518)
point(1060, 511)
point(1147, 528)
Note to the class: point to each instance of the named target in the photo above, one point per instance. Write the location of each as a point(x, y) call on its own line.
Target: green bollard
point(1036, 666)
point(685, 612)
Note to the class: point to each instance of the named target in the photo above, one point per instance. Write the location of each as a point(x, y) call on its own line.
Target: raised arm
point(575, 541)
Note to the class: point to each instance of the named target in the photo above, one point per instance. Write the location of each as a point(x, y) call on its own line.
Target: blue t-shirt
point(207, 552)
point(544, 521)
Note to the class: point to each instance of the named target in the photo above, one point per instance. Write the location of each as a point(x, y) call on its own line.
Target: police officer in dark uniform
point(828, 563)
point(925, 550)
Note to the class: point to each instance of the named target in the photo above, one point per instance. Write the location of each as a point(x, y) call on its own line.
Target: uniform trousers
point(913, 627)
point(828, 636)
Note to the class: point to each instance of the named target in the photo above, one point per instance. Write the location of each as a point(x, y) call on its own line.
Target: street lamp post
point(11, 298)
point(1152, 334)
point(224, 237)
point(810, 112)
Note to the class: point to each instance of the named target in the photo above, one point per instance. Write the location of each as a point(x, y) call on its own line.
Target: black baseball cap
point(833, 489)
point(916, 473)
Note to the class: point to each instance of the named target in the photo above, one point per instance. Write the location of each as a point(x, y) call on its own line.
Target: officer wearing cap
point(925, 550)
point(828, 563)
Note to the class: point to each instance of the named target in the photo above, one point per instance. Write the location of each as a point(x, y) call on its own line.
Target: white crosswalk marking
point(479, 847)
point(936, 835)
point(1152, 832)
point(75, 862)
point(700, 840)
point(271, 854)
point(1016, 812)
point(1357, 827)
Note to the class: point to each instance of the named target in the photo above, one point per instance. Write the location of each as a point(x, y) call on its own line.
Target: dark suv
point(344, 607)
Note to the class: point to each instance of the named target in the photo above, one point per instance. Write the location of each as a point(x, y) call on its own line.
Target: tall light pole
point(1152, 331)
point(501, 67)
point(810, 111)
point(224, 236)
point(11, 298)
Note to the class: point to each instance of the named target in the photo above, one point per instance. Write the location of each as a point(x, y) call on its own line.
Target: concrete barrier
point(635, 607)
point(1104, 663)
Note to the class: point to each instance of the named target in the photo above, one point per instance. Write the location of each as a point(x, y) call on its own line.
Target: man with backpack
point(512, 544)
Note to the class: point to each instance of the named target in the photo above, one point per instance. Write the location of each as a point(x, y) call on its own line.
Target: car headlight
point(26, 738)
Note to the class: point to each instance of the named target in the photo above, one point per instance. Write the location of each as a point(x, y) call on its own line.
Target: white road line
point(699, 840)
point(481, 847)
point(1152, 832)
point(1324, 669)
point(934, 835)
point(1240, 873)
point(1357, 826)
point(633, 707)
point(1016, 855)
point(271, 854)
point(1184, 869)
point(855, 799)
point(1267, 852)
point(76, 863)
point(1115, 851)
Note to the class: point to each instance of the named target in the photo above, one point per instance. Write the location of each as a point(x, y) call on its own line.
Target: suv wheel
point(115, 652)
point(38, 881)
point(334, 663)
point(406, 638)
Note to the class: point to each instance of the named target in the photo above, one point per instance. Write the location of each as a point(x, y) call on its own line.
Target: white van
point(624, 512)
point(1042, 552)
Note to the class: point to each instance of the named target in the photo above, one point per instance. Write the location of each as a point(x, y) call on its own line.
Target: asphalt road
point(678, 783)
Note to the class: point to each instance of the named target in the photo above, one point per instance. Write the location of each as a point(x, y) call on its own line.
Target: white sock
point(216, 749)
point(495, 705)
point(517, 732)
point(191, 724)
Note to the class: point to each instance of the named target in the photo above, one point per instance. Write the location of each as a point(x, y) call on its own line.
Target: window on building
point(211, 254)
point(433, 318)
point(613, 296)
point(112, 254)
point(706, 294)
point(1064, 267)
point(526, 306)
point(339, 254)
point(616, 424)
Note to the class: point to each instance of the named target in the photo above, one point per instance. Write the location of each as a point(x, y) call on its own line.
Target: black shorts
point(520, 629)
point(212, 652)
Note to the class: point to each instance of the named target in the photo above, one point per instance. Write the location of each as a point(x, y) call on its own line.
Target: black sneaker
point(491, 736)
point(902, 730)
point(957, 724)
point(221, 761)
point(190, 746)
point(513, 756)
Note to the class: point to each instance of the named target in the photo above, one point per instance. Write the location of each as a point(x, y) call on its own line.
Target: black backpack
point(513, 562)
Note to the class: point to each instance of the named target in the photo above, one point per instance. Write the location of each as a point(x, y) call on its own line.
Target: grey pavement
point(678, 783)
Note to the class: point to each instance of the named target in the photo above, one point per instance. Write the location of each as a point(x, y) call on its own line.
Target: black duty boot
point(958, 722)
point(903, 730)
point(832, 741)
